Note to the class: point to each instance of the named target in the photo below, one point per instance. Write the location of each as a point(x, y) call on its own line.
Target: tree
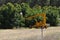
point(8, 15)
point(52, 14)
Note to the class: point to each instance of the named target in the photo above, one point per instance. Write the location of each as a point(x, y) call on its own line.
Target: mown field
point(51, 33)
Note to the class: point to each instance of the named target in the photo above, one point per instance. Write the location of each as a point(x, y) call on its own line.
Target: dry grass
point(52, 33)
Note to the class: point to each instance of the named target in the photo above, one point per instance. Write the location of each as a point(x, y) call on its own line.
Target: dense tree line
point(10, 10)
point(33, 2)
point(10, 16)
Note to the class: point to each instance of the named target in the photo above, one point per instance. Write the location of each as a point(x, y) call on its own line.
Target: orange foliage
point(41, 23)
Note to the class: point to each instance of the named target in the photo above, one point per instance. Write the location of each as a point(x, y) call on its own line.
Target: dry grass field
point(51, 33)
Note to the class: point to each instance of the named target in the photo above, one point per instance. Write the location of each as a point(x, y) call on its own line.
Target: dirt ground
point(51, 33)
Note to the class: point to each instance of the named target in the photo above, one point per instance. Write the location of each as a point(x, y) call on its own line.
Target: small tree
point(52, 16)
point(7, 12)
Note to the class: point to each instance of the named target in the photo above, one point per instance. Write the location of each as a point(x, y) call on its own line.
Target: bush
point(52, 15)
point(7, 15)
point(10, 13)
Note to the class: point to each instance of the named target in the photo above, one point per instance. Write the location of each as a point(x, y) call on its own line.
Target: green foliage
point(34, 2)
point(39, 18)
point(7, 15)
point(37, 9)
point(18, 7)
point(10, 15)
point(17, 14)
point(59, 11)
point(52, 16)
point(27, 11)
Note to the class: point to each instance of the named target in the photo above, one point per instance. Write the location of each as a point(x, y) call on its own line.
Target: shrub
point(52, 16)
point(7, 15)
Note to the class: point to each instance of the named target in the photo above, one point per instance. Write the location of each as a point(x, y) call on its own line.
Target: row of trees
point(10, 16)
point(33, 2)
